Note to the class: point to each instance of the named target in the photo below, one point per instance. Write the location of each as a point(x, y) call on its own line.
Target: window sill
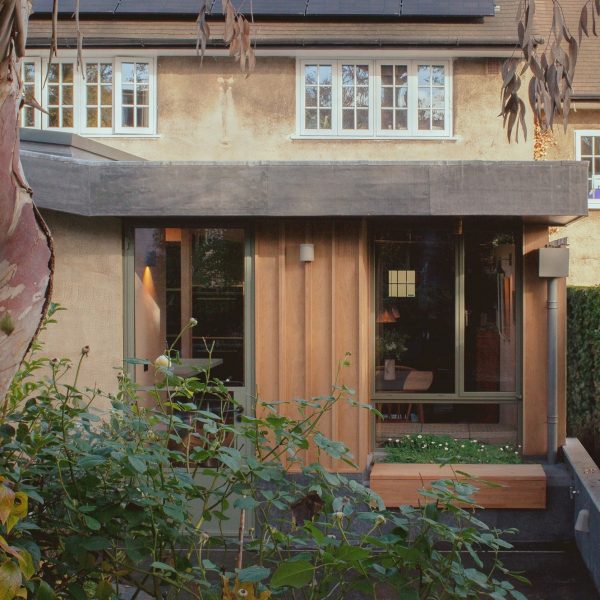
point(127, 136)
point(350, 138)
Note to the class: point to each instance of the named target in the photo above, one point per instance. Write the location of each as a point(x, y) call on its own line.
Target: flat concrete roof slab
point(546, 191)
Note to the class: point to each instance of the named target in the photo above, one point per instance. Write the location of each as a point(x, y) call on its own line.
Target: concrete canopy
point(545, 192)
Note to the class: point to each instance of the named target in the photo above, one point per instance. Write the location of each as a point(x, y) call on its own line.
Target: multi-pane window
point(588, 148)
point(370, 98)
point(99, 95)
point(135, 94)
point(394, 97)
point(60, 96)
point(111, 95)
point(355, 97)
point(318, 97)
point(30, 117)
point(431, 97)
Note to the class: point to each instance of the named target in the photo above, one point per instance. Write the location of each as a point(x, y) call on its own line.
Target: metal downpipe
point(552, 370)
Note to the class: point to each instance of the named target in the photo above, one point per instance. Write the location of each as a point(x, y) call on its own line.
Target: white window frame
point(37, 84)
point(117, 96)
point(76, 94)
point(593, 203)
point(375, 130)
point(83, 128)
point(79, 95)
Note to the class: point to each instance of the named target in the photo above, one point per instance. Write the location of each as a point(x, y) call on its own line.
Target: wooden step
point(522, 486)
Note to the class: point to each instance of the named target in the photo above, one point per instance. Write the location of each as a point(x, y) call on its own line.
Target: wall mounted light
point(307, 253)
point(151, 258)
point(582, 523)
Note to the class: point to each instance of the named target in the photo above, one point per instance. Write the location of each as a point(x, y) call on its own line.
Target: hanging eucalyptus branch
point(552, 68)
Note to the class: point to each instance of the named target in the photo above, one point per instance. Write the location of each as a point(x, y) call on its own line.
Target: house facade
point(355, 194)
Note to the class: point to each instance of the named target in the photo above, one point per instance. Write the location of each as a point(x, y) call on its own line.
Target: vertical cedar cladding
point(308, 315)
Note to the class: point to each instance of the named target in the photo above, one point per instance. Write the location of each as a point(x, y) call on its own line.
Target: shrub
point(583, 366)
point(111, 498)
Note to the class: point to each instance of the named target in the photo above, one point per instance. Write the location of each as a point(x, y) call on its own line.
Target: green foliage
point(111, 496)
point(583, 365)
point(427, 448)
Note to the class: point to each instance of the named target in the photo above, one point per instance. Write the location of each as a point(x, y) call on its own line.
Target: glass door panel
point(415, 314)
point(490, 315)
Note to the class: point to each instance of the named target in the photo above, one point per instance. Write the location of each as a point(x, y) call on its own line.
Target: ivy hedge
point(583, 366)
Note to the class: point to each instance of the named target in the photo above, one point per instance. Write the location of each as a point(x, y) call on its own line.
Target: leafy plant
point(583, 366)
point(427, 448)
point(112, 496)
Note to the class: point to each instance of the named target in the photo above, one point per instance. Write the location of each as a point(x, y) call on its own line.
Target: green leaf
point(10, 579)
point(138, 464)
point(296, 574)
point(161, 566)
point(253, 574)
point(92, 523)
point(26, 563)
point(245, 502)
point(95, 543)
point(45, 592)
point(517, 595)
point(77, 592)
point(352, 553)
point(104, 590)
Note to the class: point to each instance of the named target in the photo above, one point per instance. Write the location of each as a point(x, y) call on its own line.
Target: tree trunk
point(26, 256)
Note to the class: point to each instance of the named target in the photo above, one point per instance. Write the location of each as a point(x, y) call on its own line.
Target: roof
point(278, 8)
point(543, 192)
point(352, 23)
point(587, 71)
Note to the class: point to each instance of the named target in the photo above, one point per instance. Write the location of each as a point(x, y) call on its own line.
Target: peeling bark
point(26, 257)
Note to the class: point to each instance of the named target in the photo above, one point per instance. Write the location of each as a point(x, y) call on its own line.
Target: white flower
point(474, 441)
point(397, 441)
point(419, 436)
point(338, 516)
point(380, 520)
point(162, 361)
point(192, 322)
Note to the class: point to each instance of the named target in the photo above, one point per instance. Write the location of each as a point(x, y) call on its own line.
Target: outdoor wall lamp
point(151, 258)
point(582, 523)
point(307, 253)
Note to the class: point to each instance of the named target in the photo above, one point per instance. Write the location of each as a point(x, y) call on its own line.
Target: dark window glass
point(415, 315)
point(490, 319)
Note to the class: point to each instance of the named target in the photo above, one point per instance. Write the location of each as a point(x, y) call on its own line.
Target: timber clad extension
point(373, 140)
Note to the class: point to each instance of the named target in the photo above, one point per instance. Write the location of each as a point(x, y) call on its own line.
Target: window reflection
point(191, 273)
point(415, 312)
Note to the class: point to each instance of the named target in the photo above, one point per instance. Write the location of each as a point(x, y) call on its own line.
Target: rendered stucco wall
point(213, 112)
point(584, 234)
point(88, 282)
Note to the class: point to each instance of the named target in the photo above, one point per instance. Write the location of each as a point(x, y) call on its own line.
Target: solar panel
point(314, 8)
point(154, 7)
point(370, 8)
point(68, 6)
point(264, 7)
point(448, 8)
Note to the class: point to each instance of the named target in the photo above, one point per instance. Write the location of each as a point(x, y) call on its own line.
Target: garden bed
point(515, 486)
point(414, 462)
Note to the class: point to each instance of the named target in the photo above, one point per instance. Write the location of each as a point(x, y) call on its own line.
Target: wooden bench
point(522, 486)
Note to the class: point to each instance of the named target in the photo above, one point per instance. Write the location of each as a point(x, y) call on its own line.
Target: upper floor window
point(112, 96)
point(587, 147)
point(374, 98)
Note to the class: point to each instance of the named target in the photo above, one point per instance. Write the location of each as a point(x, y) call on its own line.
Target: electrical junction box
point(554, 262)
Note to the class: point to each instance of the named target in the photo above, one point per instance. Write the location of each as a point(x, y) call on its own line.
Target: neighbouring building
point(356, 193)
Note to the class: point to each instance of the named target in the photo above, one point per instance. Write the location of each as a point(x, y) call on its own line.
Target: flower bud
point(379, 520)
point(338, 516)
point(162, 361)
point(192, 322)
point(85, 350)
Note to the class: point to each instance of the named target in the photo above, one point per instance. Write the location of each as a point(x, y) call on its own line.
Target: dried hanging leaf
point(583, 20)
